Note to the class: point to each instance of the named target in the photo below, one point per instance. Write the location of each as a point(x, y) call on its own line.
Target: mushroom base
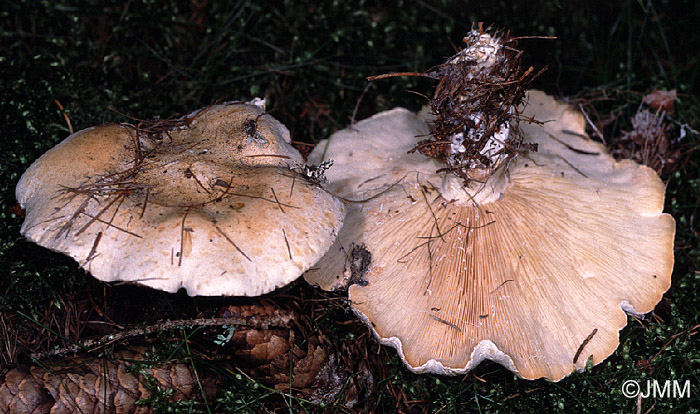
point(475, 192)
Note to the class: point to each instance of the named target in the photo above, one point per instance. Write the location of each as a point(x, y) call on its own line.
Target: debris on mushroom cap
point(365, 171)
point(536, 273)
point(207, 202)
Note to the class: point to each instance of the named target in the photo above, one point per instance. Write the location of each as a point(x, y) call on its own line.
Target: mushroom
point(534, 267)
point(207, 202)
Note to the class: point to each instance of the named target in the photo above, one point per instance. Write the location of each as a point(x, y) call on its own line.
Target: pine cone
point(264, 352)
point(319, 368)
point(95, 386)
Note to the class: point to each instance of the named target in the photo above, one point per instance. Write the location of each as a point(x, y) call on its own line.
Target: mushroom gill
point(533, 268)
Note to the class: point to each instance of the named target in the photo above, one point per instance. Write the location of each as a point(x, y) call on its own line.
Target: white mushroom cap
point(367, 167)
point(533, 269)
point(208, 203)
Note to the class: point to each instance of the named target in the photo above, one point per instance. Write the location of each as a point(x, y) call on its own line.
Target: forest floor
point(70, 65)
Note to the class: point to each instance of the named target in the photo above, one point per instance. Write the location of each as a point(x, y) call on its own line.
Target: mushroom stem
point(475, 131)
point(477, 152)
point(483, 54)
point(454, 189)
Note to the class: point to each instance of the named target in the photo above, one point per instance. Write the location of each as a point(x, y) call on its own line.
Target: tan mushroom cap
point(537, 278)
point(209, 204)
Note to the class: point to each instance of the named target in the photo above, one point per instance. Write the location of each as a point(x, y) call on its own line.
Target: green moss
point(310, 59)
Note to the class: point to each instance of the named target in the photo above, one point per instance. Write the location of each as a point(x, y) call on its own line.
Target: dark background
point(104, 61)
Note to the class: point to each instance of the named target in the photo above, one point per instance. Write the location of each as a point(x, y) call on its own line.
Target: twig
point(65, 116)
point(501, 285)
point(182, 238)
point(94, 248)
point(357, 104)
point(425, 198)
point(289, 250)
point(673, 338)
point(281, 320)
point(584, 343)
point(130, 233)
point(393, 75)
point(450, 324)
point(277, 200)
point(595, 128)
point(228, 239)
point(262, 198)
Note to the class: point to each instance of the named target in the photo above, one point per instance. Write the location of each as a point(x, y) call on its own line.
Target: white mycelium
point(483, 50)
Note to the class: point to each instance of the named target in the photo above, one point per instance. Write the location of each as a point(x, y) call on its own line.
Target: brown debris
point(360, 260)
point(651, 139)
point(473, 96)
point(583, 344)
point(17, 210)
point(662, 101)
point(649, 143)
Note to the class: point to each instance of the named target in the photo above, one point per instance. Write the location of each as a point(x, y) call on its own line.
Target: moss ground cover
point(70, 65)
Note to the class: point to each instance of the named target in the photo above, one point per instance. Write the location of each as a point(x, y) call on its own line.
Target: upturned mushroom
point(530, 259)
point(208, 202)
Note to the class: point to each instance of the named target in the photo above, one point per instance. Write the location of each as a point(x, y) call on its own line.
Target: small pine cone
point(266, 353)
point(95, 386)
point(21, 392)
point(320, 369)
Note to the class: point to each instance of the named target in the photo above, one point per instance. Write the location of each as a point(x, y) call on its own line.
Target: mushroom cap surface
point(538, 277)
point(207, 203)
